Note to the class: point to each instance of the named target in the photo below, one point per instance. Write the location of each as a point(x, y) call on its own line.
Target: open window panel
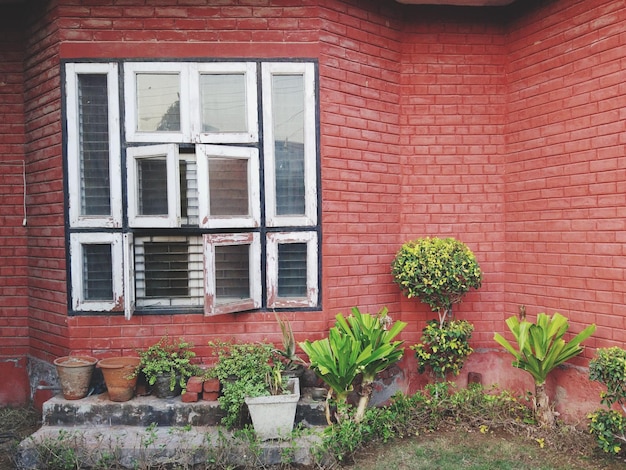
point(292, 274)
point(290, 150)
point(168, 272)
point(129, 275)
point(232, 272)
point(93, 150)
point(228, 186)
point(97, 272)
point(227, 97)
point(153, 175)
point(157, 102)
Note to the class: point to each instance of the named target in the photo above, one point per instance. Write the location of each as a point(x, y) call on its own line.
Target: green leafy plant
point(541, 348)
point(361, 344)
point(444, 348)
point(244, 370)
point(293, 363)
point(609, 426)
point(609, 368)
point(438, 271)
point(171, 358)
point(374, 334)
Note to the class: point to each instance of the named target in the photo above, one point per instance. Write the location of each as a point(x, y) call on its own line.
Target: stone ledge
point(189, 446)
point(98, 410)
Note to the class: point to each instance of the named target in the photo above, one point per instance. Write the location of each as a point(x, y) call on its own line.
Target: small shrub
point(444, 349)
point(242, 369)
point(438, 271)
point(609, 426)
point(171, 358)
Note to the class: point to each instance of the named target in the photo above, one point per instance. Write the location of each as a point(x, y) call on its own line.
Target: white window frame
point(133, 156)
point(203, 154)
point(77, 241)
point(76, 219)
point(131, 70)
point(211, 307)
point(249, 70)
point(307, 70)
point(273, 240)
point(129, 275)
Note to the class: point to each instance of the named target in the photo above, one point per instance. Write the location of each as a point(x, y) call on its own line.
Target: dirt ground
point(15, 425)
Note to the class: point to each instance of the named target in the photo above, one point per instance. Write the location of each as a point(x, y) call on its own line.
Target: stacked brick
point(199, 388)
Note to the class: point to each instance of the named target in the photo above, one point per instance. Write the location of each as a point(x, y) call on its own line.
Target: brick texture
point(566, 168)
point(501, 127)
point(13, 241)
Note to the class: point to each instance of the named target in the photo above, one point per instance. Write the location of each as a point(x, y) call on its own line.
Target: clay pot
point(117, 372)
point(75, 374)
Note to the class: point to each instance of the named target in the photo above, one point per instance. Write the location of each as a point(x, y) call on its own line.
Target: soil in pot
point(75, 375)
point(119, 376)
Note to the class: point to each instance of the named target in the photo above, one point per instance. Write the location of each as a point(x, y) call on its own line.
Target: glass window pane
point(158, 102)
point(93, 115)
point(97, 272)
point(288, 123)
point(292, 270)
point(166, 269)
point(223, 104)
point(232, 273)
point(228, 187)
point(152, 186)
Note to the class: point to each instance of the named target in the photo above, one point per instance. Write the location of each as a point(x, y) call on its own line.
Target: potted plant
point(242, 369)
point(293, 365)
point(273, 411)
point(251, 374)
point(167, 366)
point(439, 272)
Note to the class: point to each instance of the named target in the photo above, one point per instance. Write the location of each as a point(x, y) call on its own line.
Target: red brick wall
point(359, 84)
point(243, 29)
point(13, 268)
point(453, 148)
point(13, 271)
point(501, 127)
point(566, 170)
point(360, 52)
point(44, 166)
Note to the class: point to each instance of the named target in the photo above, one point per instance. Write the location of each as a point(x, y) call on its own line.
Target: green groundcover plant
point(608, 426)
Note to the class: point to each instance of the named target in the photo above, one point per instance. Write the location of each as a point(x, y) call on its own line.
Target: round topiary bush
point(438, 271)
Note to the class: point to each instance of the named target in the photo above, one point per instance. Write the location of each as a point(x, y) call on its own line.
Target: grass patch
point(471, 450)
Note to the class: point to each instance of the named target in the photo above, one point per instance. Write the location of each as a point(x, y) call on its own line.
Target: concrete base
point(99, 433)
point(182, 447)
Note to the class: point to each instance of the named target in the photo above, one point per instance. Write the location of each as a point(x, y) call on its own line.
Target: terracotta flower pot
point(75, 374)
point(117, 372)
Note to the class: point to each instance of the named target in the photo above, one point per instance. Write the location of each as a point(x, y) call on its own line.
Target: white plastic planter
point(273, 415)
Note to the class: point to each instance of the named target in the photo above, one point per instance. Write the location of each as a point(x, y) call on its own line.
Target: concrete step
point(150, 432)
point(132, 447)
point(143, 411)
